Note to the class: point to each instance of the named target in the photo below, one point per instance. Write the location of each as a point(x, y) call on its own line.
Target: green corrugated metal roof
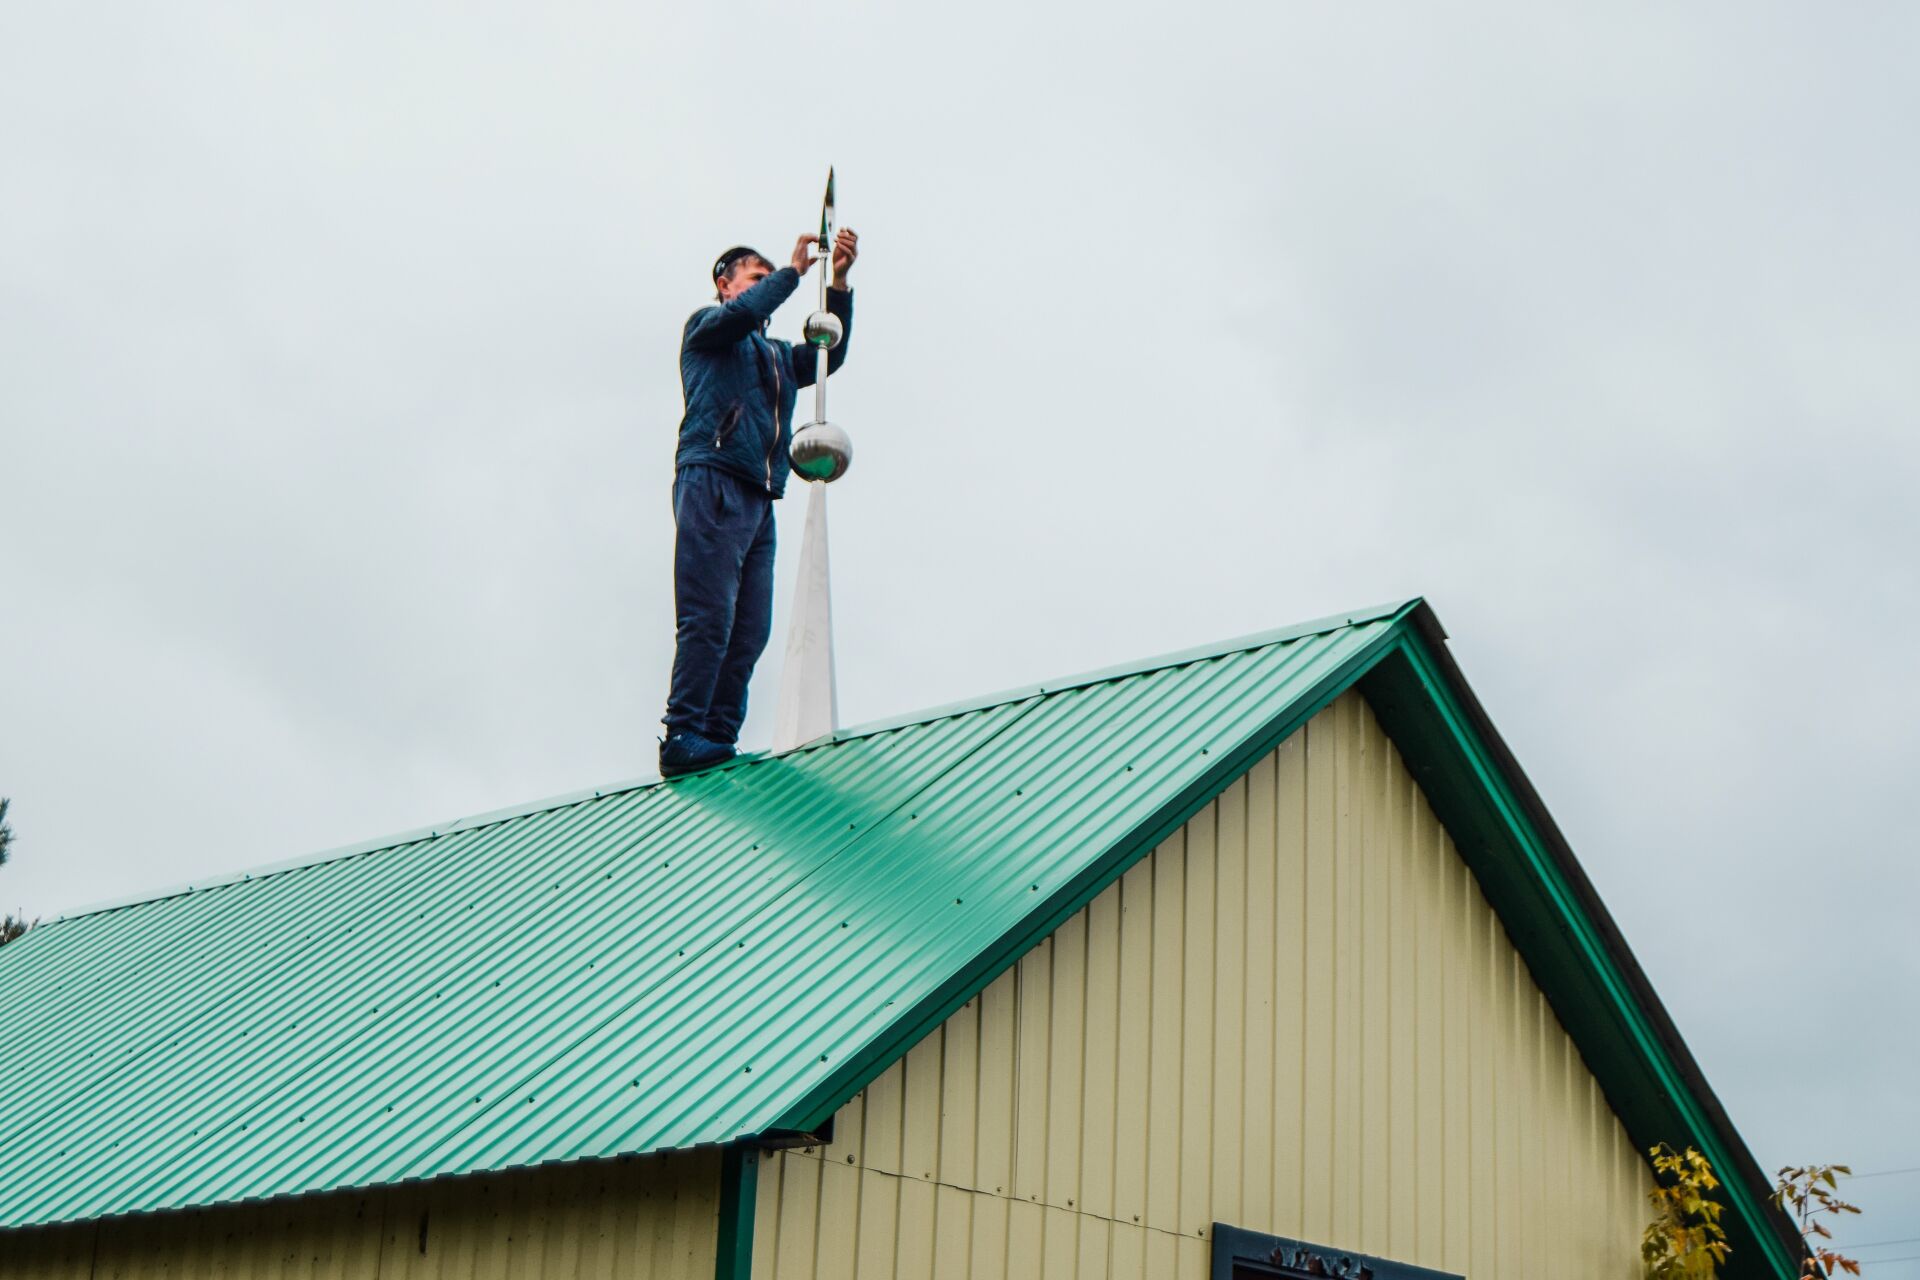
point(655, 966)
point(646, 967)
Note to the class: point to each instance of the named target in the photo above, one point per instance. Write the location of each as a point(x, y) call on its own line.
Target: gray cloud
point(337, 391)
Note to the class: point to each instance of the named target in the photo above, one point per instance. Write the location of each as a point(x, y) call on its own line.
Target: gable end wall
point(1297, 1016)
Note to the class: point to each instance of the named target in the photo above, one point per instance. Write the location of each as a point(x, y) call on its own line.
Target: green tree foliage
point(1685, 1240)
point(11, 927)
point(1808, 1193)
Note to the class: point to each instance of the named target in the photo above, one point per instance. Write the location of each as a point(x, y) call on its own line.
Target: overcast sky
point(338, 395)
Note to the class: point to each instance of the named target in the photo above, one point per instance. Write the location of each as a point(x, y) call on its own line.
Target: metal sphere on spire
point(823, 329)
point(822, 452)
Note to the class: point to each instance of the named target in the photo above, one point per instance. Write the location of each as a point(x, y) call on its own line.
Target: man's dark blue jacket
point(741, 385)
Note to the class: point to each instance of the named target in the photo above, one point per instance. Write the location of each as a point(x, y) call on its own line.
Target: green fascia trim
point(1561, 942)
point(739, 1194)
point(861, 1069)
point(1318, 626)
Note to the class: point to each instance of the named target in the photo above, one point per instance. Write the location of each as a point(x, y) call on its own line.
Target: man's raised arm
point(734, 319)
point(725, 323)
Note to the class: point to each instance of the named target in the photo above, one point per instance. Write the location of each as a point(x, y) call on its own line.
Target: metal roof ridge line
point(1141, 666)
point(416, 835)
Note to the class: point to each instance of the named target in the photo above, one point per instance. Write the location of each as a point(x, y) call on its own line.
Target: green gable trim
point(1558, 924)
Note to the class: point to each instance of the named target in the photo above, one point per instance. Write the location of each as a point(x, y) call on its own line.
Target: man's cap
point(724, 263)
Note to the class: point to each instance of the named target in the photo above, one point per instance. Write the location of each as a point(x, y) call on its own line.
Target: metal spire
point(809, 705)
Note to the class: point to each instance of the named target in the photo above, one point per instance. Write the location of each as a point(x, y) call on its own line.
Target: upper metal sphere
point(823, 329)
point(821, 451)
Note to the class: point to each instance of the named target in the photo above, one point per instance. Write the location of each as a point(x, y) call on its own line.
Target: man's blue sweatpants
point(722, 598)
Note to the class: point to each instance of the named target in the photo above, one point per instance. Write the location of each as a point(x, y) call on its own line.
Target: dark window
point(1248, 1255)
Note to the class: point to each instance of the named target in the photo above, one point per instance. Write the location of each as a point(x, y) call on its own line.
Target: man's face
point(745, 274)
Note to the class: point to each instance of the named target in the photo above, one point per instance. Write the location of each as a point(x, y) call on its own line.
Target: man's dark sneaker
point(684, 751)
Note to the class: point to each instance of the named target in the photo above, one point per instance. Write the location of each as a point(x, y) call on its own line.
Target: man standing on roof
point(740, 387)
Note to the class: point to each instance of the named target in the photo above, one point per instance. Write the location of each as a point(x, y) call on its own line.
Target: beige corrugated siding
point(657, 1217)
point(1297, 1016)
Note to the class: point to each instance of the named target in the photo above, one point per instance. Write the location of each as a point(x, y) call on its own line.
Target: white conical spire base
point(809, 703)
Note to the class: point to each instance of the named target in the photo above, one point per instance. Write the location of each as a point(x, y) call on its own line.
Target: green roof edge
point(1582, 916)
point(415, 835)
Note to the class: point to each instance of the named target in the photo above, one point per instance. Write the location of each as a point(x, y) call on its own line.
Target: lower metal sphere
point(823, 329)
point(821, 451)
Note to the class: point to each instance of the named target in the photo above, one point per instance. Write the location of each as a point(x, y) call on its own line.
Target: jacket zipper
point(720, 432)
point(774, 359)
